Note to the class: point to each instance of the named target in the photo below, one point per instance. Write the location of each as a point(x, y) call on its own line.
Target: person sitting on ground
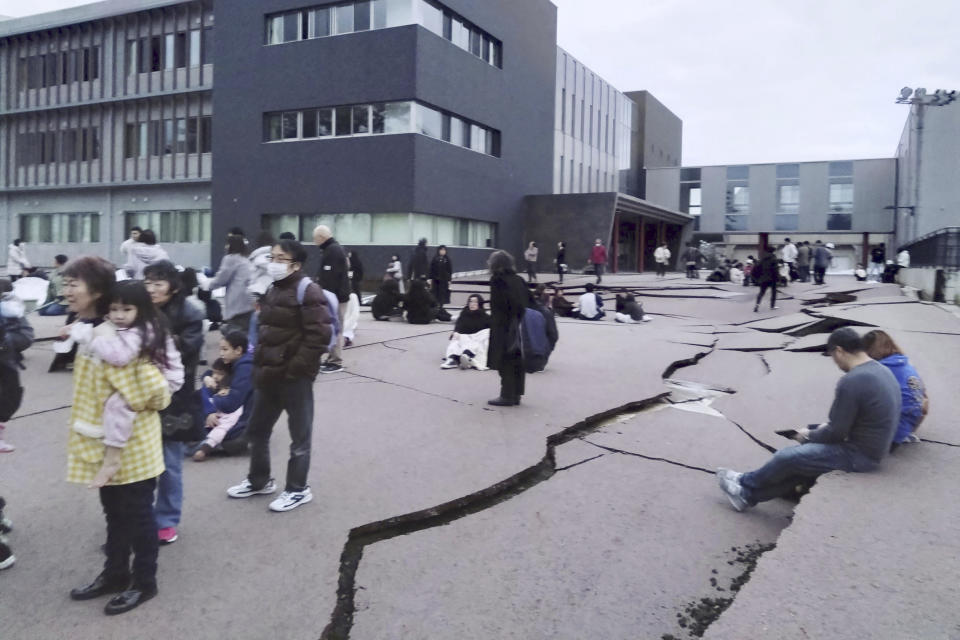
point(468, 344)
point(216, 385)
point(235, 353)
point(629, 310)
point(560, 306)
point(419, 303)
point(860, 273)
point(590, 306)
point(748, 268)
point(862, 423)
point(540, 335)
point(56, 305)
point(736, 273)
point(387, 303)
point(914, 403)
point(721, 273)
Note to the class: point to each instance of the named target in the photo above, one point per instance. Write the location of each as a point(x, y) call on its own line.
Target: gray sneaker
point(731, 488)
point(728, 474)
point(245, 489)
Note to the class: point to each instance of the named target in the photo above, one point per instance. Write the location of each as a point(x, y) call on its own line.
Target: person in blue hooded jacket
point(914, 402)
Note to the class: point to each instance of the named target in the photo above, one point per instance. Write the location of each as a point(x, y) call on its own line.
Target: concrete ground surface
point(590, 511)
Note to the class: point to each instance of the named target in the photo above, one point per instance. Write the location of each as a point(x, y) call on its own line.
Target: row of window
point(379, 119)
point(388, 228)
point(68, 145)
point(592, 181)
point(60, 227)
point(170, 51)
point(172, 226)
point(364, 15)
point(61, 67)
point(170, 135)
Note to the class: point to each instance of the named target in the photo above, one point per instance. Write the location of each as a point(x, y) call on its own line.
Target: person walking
point(561, 259)
point(878, 259)
point(185, 321)
point(16, 336)
point(294, 331)
point(235, 274)
point(441, 273)
point(530, 256)
point(259, 259)
point(661, 256)
point(508, 301)
point(17, 261)
point(131, 240)
point(598, 258)
point(692, 258)
point(789, 257)
point(334, 277)
point(395, 271)
point(125, 476)
point(355, 273)
point(821, 260)
point(803, 261)
point(766, 273)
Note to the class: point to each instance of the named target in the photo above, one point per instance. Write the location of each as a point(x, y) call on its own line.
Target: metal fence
point(938, 249)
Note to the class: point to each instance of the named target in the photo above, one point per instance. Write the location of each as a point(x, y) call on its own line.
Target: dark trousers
point(661, 269)
point(441, 291)
point(819, 273)
point(692, 270)
point(295, 396)
point(131, 527)
point(598, 267)
point(531, 270)
point(11, 393)
point(560, 271)
point(804, 271)
point(773, 293)
point(512, 378)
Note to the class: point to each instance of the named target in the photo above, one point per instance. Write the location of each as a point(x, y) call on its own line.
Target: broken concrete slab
point(570, 558)
point(757, 341)
point(693, 439)
point(781, 324)
point(912, 317)
point(848, 547)
point(731, 369)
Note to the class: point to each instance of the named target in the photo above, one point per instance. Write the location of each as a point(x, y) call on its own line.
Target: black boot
point(503, 402)
point(130, 599)
point(101, 586)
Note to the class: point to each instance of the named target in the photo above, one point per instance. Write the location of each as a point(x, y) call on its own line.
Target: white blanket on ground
point(476, 343)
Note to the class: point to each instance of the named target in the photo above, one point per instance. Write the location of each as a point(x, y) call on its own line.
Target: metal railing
point(940, 249)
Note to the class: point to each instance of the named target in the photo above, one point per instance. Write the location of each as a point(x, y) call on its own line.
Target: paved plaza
point(590, 511)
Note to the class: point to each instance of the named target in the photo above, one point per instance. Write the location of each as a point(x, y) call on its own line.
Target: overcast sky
point(758, 80)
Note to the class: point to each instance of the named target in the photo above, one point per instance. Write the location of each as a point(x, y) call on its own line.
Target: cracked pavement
point(587, 511)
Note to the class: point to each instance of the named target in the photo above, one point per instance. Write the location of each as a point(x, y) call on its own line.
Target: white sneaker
point(647, 318)
point(466, 362)
point(730, 484)
point(245, 489)
point(289, 500)
point(449, 363)
point(728, 474)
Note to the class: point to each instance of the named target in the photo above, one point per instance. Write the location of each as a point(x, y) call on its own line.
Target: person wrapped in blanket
point(468, 344)
point(226, 397)
point(217, 384)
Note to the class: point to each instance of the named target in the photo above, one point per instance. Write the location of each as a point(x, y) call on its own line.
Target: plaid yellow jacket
point(146, 391)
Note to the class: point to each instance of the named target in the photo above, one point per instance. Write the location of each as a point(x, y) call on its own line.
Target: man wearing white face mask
point(294, 331)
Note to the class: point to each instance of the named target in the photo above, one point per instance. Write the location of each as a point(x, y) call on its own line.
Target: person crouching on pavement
point(862, 422)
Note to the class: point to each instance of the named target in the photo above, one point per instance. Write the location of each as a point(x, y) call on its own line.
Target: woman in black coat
point(356, 273)
point(441, 273)
point(509, 296)
point(420, 306)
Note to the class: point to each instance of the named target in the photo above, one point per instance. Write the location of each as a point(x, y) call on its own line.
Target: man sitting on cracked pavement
point(861, 425)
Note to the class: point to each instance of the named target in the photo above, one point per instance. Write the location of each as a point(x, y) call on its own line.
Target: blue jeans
point(793, 465)
point(170, 486)
point(53, 309)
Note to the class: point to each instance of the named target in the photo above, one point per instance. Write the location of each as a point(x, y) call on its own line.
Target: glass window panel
point(180, 50)
point(310, 123)
point(181, 146)
point(278, 224)
point(206, 134)
point(290, 119)
point(195, 46)
point(485, 49)
point(788, 170)
point(738, 173)
point(205, 222)
point(690, 175)
point(344, 15)
point(291, 26)
point(457, 127)
point(309, 223)
point(497, 55)
point(839, 222)
point(396, 117)
point(206, 46)
point(361, 15)
point(353, 228)
point(395, 13)
point(169, 51)
point(377, 117)
point(274, 30)
point(321, 22)
point(460, 34)
point(735, 223)
point(324, 122)
point(446, 230)
point(432, 17)
point(478, 138)
point(192, 137)
point(168, 140)
point(342, 121)
point(272, 127)
point(789, 198)
point(696, 193)
point(422, 227)
point(133, 47)
point(429, 122)
point(391, 228)
point(476, 41)
point(445, 127)
point(361, 119)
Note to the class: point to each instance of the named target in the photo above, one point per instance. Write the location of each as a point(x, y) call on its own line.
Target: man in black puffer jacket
point(294, 331)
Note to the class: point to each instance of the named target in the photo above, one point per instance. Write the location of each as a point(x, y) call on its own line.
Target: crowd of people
point(135, 338)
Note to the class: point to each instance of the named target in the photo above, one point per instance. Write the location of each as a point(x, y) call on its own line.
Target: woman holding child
point(125, 470)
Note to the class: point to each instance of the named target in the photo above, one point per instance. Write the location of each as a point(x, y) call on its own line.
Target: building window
point(68, 145)
point(173, 226)
point(738, 199)
point(363, 15)
point(60, 227)
point(63, 67)
point(379, 119)
point(840, 216)
point(387, 228)
point(691, 199)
